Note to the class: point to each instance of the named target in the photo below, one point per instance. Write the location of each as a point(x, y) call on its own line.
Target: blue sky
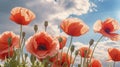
point(54, 12)
point(105, 9)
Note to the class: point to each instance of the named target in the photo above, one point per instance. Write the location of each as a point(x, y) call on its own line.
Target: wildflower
point(22, 15)
point(74, 27)
point(62, 41)
point(42, 45)
point(5, 45)
point(107, 28)
point(83, 51)
point(114, 54)
point(62, 60)
point(95, 63)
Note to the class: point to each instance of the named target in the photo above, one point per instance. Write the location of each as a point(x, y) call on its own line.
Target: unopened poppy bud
point(9, 41)
point(23, 34)
point(46, 23)
point(76, 52)
point(35, 28)
point(72, 48)
point(91, 42)
point(60, 39)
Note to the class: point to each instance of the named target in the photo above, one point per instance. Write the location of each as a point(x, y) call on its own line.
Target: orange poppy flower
point(95, 63)
point(62, 41)
point(42, 45)
point(107, 28)
point(62, 60)
point(74, 26)
point(4, 44)
point(83, 50)
point(114, 54)
point(21, 15)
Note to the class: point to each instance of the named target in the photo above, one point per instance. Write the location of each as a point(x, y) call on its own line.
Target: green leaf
point(32, 59)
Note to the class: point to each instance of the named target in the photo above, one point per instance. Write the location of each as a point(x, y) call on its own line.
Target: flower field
point(42, 48)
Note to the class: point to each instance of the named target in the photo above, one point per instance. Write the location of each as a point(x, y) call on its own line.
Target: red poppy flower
point(107, 28)
point(95, 63)
point(42, 45)
point(4, 44)
point(62, 41)
point(114, 54)
point(62, 60)
point(22, 15)
point(83, 51)
point(74, 26)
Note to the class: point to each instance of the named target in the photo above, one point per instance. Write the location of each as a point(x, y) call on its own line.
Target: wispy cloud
point(55, 11)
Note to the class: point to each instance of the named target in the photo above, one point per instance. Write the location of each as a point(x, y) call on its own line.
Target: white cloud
point(55, 11)
point(52, 29)
point(52, 11)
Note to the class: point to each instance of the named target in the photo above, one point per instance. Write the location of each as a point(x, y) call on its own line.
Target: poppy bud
point(35, 28)
point(60, 39)
point(91, 42)
point(23, 34)
point(46, 23)
point(76, 52)
point(72, 48)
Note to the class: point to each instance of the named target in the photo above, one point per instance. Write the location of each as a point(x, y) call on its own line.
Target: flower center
point(107, 30)
point(42, 47)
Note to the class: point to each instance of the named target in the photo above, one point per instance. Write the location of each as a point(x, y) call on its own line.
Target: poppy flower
point(61, 60)
point(62, 41)
point(22, 15)
point(42, 45)
point(74, 27)
point(107, 28)
point(5, 45)
point(95, 63)
point(83, 51)
point(114, 54)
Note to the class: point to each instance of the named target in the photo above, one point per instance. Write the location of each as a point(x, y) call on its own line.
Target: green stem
point(71, 56)
point(86, 54)
point(74, 60)
point(95, 47)
point(114, 64)
point(9, 54)
point(69, 45)
point(23, 41)
point(84, 61)
point(20, 36)
point(61, 55)
point(81, 62)
point(9, 51)
point(45, 29)
point(20, 43)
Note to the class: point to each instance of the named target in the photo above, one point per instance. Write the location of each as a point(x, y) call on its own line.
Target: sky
point(55, 11)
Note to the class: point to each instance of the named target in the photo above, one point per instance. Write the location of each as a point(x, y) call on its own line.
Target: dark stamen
point(107, 30)
point(42, 47)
